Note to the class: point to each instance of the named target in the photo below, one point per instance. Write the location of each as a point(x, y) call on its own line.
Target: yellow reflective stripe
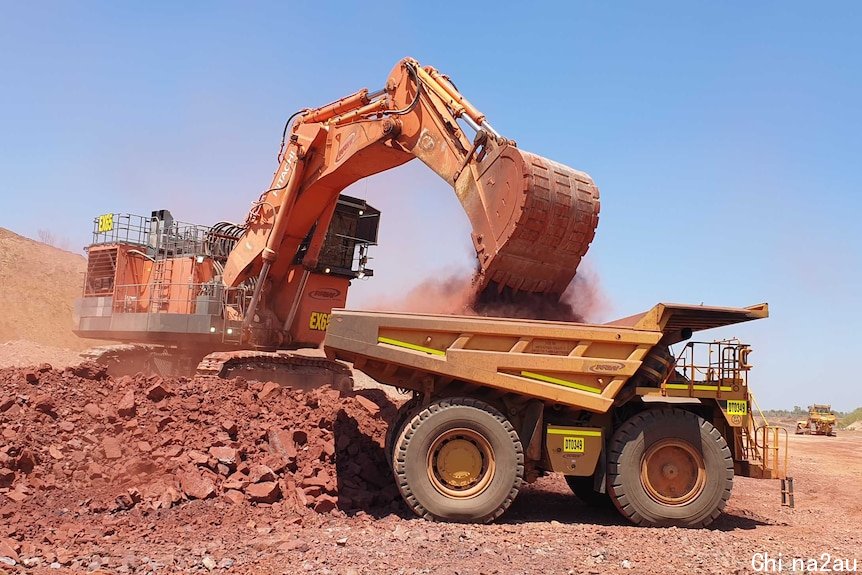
point(398, 343)
point(697, 387)
point(585, 432)
point(550, 379)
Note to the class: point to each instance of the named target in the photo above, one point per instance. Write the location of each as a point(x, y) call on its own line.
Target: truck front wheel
point(669, 467)
point(459, 459)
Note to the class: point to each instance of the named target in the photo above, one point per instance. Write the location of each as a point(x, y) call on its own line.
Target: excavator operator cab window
point(352, 231)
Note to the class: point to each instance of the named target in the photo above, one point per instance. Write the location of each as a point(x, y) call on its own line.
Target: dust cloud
point(456, 293)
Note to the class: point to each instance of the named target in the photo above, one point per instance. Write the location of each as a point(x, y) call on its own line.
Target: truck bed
point(575, 364)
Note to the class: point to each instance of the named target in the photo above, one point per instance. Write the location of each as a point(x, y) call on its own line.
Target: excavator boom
point(532, 219)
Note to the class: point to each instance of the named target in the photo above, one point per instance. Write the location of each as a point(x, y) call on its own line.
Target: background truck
point(821, 421)
point(499, 402)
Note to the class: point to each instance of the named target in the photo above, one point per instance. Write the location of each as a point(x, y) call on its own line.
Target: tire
point(582, 487)
point(669, 467)
point(459, 460)
point(405, 413)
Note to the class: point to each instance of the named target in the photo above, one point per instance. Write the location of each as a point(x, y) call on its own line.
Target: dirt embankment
point(38, 287)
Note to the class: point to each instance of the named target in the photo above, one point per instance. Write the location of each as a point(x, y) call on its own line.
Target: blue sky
point(725, 139)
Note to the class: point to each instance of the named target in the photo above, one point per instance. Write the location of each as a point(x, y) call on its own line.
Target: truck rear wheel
point(668, 467)
point(582, 487)
point(459, 459)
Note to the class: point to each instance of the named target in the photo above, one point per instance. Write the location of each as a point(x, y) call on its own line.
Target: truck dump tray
point(578, 365)
point(673, 317)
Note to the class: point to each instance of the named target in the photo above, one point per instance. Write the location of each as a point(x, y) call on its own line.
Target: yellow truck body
point(567, 390)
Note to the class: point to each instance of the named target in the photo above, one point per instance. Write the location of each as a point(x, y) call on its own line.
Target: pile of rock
point(78, 435)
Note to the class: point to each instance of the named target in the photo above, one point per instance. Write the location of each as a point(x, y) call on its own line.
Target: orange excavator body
point(532, 221)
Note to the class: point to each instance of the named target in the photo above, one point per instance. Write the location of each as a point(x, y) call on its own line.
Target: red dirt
point(20, 353)
point(39, 285)
point(140, 475)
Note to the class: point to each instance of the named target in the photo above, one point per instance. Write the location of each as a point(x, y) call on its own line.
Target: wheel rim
point(460, 463)
point(673, 472)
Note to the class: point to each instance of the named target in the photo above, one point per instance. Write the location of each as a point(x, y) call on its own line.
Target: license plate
point(573, 444)
point(737, 407)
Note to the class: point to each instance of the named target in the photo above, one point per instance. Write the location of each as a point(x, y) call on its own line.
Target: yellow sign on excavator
point(106, 223)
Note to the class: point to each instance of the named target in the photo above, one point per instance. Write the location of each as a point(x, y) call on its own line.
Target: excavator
point(251, 297)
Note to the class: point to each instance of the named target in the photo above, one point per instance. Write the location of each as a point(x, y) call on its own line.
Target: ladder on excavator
point(160, 286)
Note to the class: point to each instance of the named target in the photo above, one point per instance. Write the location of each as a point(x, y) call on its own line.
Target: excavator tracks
point(123, 359)
point(298, 370)
point(290, 369)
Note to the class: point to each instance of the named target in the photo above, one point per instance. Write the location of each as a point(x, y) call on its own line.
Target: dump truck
point(496, 403)
point(821, 421)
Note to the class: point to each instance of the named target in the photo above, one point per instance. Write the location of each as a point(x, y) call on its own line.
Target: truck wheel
point(669, 467)
point(582, 487)
point(459, 459)
point(405, 413)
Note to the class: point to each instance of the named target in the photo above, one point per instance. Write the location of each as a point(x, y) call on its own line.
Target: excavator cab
point(352, 231)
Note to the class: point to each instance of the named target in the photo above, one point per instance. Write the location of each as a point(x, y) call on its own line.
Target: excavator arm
point(532, 219)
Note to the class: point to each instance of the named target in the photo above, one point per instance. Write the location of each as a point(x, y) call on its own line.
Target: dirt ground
point(67, 521)
point(38, 287)
point(187, 476)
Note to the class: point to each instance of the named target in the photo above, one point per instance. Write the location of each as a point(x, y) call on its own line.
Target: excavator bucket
point(533, 220)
